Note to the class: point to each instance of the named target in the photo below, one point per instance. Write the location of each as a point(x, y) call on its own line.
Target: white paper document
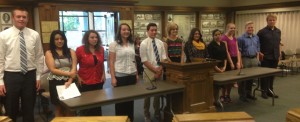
point(67, 93)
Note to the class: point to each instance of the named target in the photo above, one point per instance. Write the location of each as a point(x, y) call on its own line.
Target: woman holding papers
point(62, 62)
point(91, 74)
point(123, 66)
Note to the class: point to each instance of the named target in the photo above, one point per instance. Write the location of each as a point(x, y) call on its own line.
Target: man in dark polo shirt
point(270, 37)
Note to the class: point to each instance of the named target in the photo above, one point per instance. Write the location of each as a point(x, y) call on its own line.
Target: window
point(76, 23)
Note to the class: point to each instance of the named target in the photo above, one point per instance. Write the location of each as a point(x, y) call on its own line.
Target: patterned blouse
point(63, 64)
point(174, 49)
point(192, 52)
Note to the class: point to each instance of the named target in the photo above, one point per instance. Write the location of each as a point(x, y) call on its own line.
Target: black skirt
point(53, 91)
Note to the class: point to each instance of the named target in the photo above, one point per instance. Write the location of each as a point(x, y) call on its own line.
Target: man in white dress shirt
point(152, 67)
point(19, 80)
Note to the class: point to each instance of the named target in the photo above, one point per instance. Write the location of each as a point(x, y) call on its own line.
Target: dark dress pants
point(20, 87)
point(91, 111)
point(267, 82)
point(125, 108)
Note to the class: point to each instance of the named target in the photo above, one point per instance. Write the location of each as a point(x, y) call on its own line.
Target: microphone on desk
point(152, 87)
point(241, 72)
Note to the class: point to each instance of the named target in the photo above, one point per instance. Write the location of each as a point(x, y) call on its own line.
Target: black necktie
point(156, 52)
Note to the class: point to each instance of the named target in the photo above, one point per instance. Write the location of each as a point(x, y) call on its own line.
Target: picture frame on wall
point(148, 17)
point(205, 24)
point(220, 23)
point(222, 16)
point(210, 16)
point(140, 17)
point(216, 16)
point(213, 24)
point(205, 31)
point(6, 18)
point(4, 27)
point(143, 25)
point(156, 16)
point(203, 16)
point(136, 25)
point(141, 34)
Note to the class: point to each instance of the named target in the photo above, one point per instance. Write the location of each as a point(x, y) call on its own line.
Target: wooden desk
point(106, 96)
point(5, 119)
point(214, 117)
point(92, 119)
point(248, 74)
point(293, 115)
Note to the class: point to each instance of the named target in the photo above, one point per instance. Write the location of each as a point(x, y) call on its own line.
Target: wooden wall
point(48, 10)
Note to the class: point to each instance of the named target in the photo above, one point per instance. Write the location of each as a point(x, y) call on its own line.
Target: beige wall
point(208, 3)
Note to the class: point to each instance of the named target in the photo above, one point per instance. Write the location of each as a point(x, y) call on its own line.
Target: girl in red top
point(91, 74)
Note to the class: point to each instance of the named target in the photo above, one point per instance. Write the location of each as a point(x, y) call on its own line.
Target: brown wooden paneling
point(264, 6)
point(179, 9)
point(48, 12)
point(46, 46)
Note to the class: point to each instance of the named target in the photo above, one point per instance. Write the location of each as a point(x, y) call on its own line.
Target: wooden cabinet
point(198, 80)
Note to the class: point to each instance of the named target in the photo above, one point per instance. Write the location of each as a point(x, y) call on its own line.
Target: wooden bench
point(293, 115)
point(214, 117)
point(92, 119)
point(5, 119)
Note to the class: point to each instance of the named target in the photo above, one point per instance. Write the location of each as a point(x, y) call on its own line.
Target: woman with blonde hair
point(174, 45)
point(233, 58)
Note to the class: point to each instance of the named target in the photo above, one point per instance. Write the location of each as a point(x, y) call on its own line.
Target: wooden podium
point(198, 80)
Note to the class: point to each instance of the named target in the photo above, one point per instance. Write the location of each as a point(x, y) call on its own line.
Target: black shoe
point(227, 99)
point(157, 116)
point(264, 95)
point(271, 95)
point(244, 99)
point(217, 104)
point(251, 97)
